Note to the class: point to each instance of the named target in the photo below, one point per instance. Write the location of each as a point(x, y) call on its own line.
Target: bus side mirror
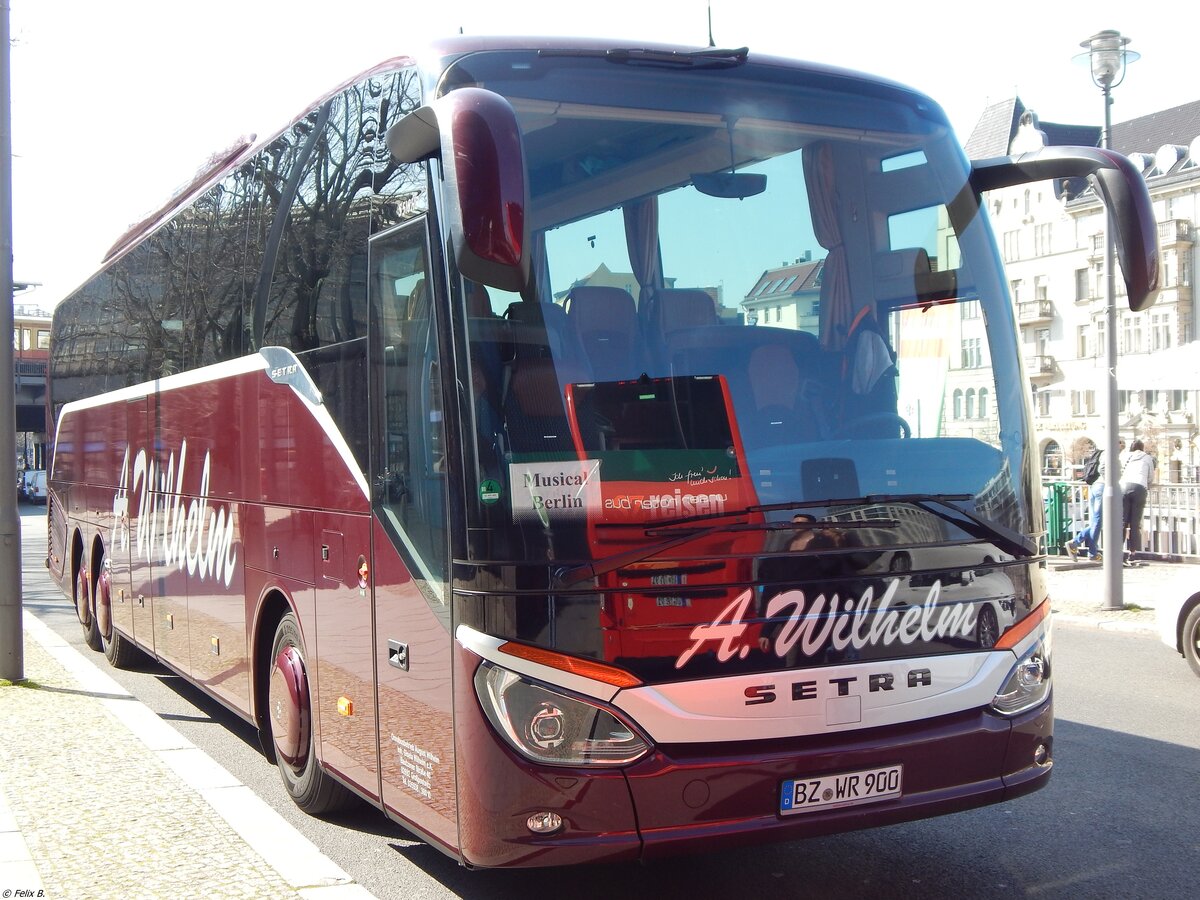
point(475, 134)
point(1120, 186)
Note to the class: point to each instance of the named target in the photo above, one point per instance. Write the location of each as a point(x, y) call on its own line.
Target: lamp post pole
point(12, 648)
point(1108, 58)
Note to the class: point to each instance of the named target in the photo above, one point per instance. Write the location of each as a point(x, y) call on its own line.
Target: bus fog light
point(544, 822)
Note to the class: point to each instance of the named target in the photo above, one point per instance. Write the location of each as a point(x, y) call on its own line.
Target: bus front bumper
point(695, 798)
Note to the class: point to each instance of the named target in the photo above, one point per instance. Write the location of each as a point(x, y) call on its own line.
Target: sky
point(116, 104)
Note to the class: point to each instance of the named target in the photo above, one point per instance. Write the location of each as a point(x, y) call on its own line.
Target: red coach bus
point(428, 436)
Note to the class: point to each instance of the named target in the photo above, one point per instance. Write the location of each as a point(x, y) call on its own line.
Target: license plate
point(800, 795)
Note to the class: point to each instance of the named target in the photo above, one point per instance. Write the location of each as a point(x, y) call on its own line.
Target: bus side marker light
point(544, 822)
point(345, 706)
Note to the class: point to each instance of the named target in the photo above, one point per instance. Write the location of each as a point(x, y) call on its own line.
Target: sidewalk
point(1077, 592)
point(100, 798)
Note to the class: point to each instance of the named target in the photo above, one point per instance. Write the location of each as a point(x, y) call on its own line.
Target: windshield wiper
point(939, 505)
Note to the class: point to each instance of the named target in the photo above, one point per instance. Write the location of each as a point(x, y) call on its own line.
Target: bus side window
point(409, 465)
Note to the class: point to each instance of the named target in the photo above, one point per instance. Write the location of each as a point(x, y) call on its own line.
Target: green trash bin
point(1058, 518)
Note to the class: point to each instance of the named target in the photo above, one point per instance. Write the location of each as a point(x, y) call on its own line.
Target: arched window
point(983, 402)
point(971, 403)
point(1051, 458)
point(958, 398)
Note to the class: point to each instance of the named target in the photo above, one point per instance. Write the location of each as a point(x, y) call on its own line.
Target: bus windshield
point(747, 293)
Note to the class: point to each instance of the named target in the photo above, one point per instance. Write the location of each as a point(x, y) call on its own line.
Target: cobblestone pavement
point(100, 814)
point(89, 809)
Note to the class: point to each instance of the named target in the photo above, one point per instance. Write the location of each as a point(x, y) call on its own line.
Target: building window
point(971, 404)
point(1015, 287)
point(1041, 240)
point(1081, 341)
point(1012, 246)
point(1083, 403)
point(958, 404)
point(1160, 331)
point(972, 357)
point(1081, 285)
point(1041, 290)
point(1101, 336)
point(1052, 459)
point(970, 309)
point(1131, 333)
point(983, 402)
point(1043, 403)
point(1180, 400)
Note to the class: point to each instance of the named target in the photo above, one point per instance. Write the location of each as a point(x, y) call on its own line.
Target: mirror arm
point(1120, 186)
point(475, 134)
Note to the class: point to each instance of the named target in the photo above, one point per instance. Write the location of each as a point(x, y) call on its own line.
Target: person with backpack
point(1089, 536)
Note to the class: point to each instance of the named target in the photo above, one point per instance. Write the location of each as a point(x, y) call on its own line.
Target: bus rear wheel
point(120, 652)
point(289, 714)
point(85, 608)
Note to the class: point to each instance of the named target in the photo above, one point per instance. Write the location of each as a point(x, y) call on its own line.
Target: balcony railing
point(1039, 366)
point(1033, 311)
point(1174, 231)
point(33, 368)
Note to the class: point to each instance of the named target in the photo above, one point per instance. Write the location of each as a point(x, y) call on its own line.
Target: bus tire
point(290, 719)
point(85, 608)
point(120, 652)
point(1191, 639)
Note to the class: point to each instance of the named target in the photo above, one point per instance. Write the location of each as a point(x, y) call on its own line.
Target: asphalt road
point(1120, 818)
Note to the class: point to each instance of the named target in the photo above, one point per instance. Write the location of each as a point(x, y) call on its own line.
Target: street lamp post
point(1107, 56)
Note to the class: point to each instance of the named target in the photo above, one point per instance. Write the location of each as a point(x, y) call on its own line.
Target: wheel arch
point(77, 557)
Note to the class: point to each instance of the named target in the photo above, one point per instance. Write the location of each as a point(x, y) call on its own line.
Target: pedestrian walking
point(1090, 535)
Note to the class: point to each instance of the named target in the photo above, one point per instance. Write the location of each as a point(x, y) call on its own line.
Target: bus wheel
point(988, 630)
point(84, 608)
point(289, 711)
point(1191, 639)
point(120, 652)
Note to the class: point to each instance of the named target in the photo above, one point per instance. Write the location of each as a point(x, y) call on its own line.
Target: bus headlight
point(1027, 684)
point(555, 728)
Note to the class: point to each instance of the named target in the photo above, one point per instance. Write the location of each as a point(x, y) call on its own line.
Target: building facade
point(31, 353)
point(1052, 240)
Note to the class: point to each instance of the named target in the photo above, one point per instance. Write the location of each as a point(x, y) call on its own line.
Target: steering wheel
point(856, 427)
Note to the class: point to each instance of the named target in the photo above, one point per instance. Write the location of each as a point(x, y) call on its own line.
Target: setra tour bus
point(427, 435)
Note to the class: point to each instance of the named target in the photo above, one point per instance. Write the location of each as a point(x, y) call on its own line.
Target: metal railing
point(1170, 523)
